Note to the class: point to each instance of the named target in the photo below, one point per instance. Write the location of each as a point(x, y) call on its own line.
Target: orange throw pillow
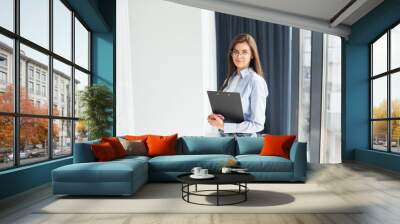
point(161, 145)
point(116, 145)
point(277, 145)
point(103, 152)
point(136, 137)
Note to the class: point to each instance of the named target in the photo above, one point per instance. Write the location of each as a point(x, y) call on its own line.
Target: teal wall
point(24, 178)
point(102, 58)
point(356, 84)
point(103, 51)
point(103, 63)
point(99, 16)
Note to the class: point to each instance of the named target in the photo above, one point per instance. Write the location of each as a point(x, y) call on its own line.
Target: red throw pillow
point(103, 151)
point(161, 145)
point(277, 145)
point(116, 145)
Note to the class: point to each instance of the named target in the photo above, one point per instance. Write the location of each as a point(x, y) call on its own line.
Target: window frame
point(16, 114)
point(388, 74)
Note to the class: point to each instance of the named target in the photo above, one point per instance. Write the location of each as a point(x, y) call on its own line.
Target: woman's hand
point(216, 120)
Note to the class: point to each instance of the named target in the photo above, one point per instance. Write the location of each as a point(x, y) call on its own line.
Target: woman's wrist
point(221, 127)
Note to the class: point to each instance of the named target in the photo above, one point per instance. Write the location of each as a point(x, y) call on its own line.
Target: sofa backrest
point(249, 145)
point(83, 152)
point(192, 145)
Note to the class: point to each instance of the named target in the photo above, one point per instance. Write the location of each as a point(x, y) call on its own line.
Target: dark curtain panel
point(274, 47)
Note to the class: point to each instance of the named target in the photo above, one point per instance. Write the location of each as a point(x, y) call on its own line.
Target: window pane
point(7, 14)
point(379, 135)
point(395, 136)
point(62, 89)
point(6, 142)
point(62, 29)
point(35, 21)
point(395, 94)
point(62, 138)
point(379, 100)
point(33, 139)
point(331, 101)
point(304, 86)
point(395, 47)
point(81, 81)
point(81, 45)
point(34, 81)
point(379, 55)
point(6, 74)
point(81, 131)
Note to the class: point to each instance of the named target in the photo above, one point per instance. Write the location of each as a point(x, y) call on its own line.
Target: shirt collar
point(244, 72)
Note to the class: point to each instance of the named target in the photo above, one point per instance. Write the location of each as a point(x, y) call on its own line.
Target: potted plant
point(96, 102)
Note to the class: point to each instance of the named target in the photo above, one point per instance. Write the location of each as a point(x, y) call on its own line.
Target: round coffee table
point(238, 179)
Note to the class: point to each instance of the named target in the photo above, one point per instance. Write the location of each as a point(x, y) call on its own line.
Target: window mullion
point(389, 106)
point(50, 81)
point(73, 82)
point(371, 89)
point(16, 84)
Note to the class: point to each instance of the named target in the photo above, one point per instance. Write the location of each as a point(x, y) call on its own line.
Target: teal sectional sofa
point(125, 176)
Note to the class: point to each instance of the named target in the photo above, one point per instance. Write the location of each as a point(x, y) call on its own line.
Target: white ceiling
point(320, 9)
point(316, 15)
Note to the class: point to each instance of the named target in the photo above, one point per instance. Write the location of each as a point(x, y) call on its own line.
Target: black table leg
point(245, 193)
point(217, 194)
point(196, 188)
point(188, 190)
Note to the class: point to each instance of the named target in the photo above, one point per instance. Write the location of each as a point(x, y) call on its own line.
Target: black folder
point(228, 104)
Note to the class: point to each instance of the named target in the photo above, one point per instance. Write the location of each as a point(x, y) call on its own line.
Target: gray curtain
point(274, 47)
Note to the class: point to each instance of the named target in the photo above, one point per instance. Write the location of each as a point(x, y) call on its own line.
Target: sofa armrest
point(83, 152)
point(298, 155)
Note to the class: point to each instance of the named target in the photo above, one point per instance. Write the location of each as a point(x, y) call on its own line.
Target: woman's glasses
point(236, 53)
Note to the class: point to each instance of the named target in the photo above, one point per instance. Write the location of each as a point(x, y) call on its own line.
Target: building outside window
point(43, 90)
point(3, 60)
point(3, 78)
point(30, 72)
point(38, 89)
point(3, 72)
point(30, 87)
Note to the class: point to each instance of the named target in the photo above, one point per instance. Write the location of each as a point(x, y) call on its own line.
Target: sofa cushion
point(134, 147)
point(161, 145)
point(136, 137)
point(257, 163)
point(277, 145)
point(133, 158)
point(111, 171)
point(197, 145)
point(116, 145)
point(185, 163)
point(103, 152)
point(249, 145)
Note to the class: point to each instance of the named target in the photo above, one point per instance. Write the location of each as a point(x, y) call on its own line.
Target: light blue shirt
point(253, 92)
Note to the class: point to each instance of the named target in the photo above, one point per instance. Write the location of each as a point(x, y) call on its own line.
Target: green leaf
point(96, 102)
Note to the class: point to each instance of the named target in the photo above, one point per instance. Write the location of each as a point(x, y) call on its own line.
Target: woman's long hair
point(254, 62)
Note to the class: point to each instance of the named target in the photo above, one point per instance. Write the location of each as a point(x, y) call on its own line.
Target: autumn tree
point(33, 131)
point(380, 127)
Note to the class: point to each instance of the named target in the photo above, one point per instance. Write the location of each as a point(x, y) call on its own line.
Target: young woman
point(244, 76)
